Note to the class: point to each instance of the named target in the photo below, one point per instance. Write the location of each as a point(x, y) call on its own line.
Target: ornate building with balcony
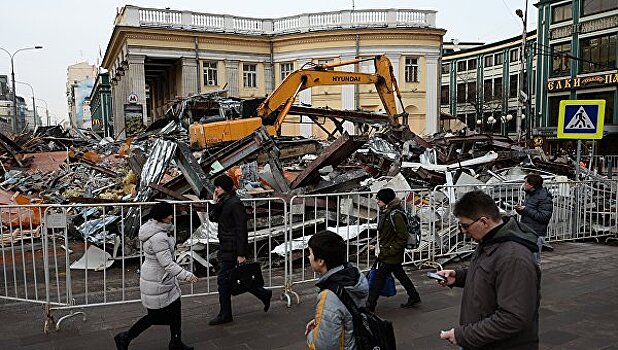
point(577, 53)
point(157, 55)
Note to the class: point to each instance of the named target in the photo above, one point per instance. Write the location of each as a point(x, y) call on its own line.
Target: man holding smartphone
point(537, 209)
point(500, 301)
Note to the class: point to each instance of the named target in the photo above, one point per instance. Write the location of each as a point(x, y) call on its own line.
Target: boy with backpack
point(393, 237)
point(332, 327)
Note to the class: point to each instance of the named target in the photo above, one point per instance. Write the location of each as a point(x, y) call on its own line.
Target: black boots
point(412, 300)
point(177, 344)
point(122, 341)
point(266, 300)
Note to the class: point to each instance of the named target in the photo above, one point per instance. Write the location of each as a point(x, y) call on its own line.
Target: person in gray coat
point(537, 209)
point(501, 286)
point(159, 275)
point(332, 327)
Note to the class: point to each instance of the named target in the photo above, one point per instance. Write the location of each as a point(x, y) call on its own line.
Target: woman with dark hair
point(159, 277)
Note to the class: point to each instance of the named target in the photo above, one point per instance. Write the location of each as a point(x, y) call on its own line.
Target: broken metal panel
point(158, 161)
point(370, 118)
point(46, 161)
point(136, 161)
point(191, 169)
point(343, 182)
point(333, 155)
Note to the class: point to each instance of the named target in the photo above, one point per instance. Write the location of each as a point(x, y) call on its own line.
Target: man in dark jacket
point(537, 209)
point(500, 301)
point(393, 236)
point(229, 213)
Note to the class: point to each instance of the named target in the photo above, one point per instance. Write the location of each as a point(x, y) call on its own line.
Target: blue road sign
point(581, 119)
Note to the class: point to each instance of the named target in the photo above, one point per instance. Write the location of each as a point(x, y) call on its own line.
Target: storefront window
point(590, 7)
point(561, 13)
point(598, 53)
point(561, 62)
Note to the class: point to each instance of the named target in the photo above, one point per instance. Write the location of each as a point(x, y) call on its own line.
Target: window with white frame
point(210, 73)
point(514, 55)
point(286, 68)
point(411, 70)
point(249, 75)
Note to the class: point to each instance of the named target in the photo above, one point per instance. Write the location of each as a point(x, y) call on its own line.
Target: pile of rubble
point(55, 166)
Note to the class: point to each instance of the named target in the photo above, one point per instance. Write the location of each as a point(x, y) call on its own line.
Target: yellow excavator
point(272, 111)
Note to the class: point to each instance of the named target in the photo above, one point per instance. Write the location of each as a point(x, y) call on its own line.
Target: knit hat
point(161, 210)
point(386, 195)
point(225, 182)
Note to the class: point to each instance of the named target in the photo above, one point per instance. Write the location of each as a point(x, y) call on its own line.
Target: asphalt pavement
point(578, 311)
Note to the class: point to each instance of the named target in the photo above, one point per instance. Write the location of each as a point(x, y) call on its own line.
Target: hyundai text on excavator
point(273, 110)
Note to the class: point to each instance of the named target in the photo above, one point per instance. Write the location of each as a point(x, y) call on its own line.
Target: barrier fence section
point(354, 216)
point(581, 210)
point(71, 257)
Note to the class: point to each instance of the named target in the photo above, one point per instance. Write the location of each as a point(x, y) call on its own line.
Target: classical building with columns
point(157, 55)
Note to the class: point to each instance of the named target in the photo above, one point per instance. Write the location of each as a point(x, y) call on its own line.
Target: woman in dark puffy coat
point(159, 277)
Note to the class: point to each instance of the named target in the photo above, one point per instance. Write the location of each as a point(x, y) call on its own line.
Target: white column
point(432, 113)
point(347, 97)
point(306, 128)
point(137, 83)
point(189, 77)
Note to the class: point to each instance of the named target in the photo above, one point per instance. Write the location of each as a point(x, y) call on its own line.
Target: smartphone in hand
point(435, 276)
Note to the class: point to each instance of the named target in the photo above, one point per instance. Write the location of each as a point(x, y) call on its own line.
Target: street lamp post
point(33, 103)
point(523, 97)
point(46, 110)
point(12, 55)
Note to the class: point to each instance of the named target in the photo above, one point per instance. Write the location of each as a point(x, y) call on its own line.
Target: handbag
point(389, 289)
point(245, 277)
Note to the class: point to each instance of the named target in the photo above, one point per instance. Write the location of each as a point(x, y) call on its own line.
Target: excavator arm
point(324, 75)
point(274, 109)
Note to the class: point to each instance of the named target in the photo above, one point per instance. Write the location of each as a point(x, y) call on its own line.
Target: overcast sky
point(72, 31)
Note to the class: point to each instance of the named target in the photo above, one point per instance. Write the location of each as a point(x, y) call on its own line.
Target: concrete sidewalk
point(578, 311)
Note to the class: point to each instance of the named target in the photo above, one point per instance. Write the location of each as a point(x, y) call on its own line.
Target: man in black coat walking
point(229, 212)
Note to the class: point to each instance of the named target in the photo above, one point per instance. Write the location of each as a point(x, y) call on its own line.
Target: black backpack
point(413, 224)
point(370, 331)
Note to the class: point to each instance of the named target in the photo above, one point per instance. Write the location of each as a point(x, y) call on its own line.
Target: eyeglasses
point(467, 226)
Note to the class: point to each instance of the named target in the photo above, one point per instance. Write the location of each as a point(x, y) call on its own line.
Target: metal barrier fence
point(66, 264)
point(71, 257)
point(584, 209)
point(354, 216)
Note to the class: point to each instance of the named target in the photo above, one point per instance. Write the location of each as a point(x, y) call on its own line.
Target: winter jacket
point(333, 322)
point(393, 238)
point(538, 209)
point(230, 214)
point(158, 282)
point(500, 301)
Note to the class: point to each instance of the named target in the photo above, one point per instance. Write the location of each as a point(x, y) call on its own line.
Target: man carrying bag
point(393, 231)
point(229, 213)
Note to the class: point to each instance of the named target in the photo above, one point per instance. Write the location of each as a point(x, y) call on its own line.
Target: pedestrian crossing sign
point(581, 119)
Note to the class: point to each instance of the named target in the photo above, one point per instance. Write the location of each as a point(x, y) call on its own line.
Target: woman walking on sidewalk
point(159, 277)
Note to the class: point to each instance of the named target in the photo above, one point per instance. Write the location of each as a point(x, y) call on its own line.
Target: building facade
point(80, 81)
point(481, 85)
point(101, 106)
point(577, 50)
point(6, 107)
point(155, 56)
